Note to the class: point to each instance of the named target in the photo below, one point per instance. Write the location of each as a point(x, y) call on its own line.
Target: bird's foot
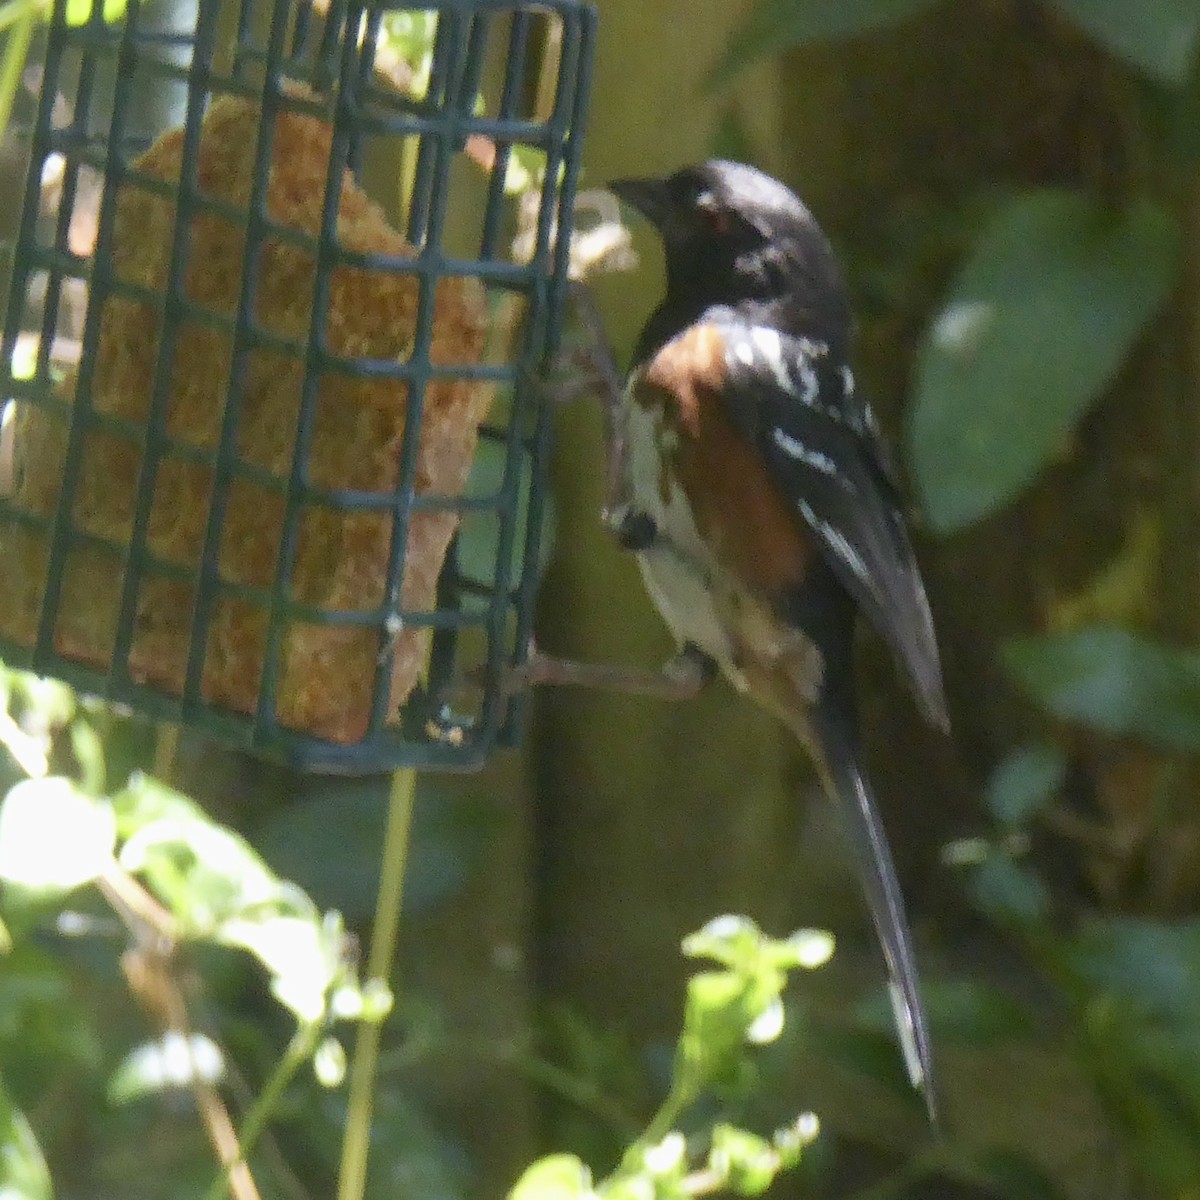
point(634, 528)
point(679, 679)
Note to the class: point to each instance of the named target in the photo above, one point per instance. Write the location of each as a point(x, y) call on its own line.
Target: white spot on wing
point(808, 350)
point(769, 345)
point(837, 543)
point(810, 388)
point(801, 453)
point(845, 551)
point(908, 1035)
point(768, 342)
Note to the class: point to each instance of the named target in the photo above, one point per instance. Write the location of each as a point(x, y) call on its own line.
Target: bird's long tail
point(839, 762)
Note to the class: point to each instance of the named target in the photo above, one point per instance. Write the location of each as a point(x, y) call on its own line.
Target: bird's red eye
point(716, 220)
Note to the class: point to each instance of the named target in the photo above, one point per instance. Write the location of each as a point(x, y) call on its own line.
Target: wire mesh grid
point(240, 487)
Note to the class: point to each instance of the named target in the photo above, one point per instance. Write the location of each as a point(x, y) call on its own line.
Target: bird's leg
point(587, 367)
point(679, 679)
point(570, 376)
point(634, 528)
point(593, 368)
point(610, 388)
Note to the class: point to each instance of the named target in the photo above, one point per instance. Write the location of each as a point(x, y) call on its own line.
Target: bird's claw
point(570, 375)
point(691, 668)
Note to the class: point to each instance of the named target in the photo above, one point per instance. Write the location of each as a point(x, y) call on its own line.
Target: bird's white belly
point(678, 569)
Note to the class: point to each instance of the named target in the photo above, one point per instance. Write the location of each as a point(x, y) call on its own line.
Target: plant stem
point(676, 1103)
point(299, 1051)
point(23, 16)
point(581, 1092)
point(352, 1177)
point(16, 10)
point(166, 751)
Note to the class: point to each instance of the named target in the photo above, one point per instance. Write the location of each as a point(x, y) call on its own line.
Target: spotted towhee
point(755, 487)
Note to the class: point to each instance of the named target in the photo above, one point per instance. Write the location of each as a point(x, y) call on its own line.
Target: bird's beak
point(648, 196)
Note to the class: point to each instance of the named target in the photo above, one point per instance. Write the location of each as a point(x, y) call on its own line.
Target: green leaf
point(220, 889)
point(89, 754)
point(742, 1004)
point(626, 1187)
point(1025, 782)
point(1157, 37)
point(329, 1063)
point(658, 1165)
point(144, 799)
point(23, 1172)
point(51, 703)
point(201, 871)
point(45, 1022)
point(1008, 891)
point(790, 1141)
point(747, 1162)
point(53, 836)
point(302, 956)
point(526, 169)
point(79, 12)
point(1114, 680)
point(776, 25)
point(173, 1061)
point(1154, 965)
point(1047, 306)
point(717, 1013)
point(731, 940)
point(556, 1177)
point(1016, 1177)
point(738, 943)
point(411, 33)
point(807, 948)
point(1146, 1077)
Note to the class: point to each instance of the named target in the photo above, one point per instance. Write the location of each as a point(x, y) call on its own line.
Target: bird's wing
point(824, 454)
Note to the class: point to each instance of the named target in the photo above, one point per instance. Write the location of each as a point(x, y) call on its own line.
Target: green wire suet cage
point(271, 420)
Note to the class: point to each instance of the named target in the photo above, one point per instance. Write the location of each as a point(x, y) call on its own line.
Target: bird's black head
point(734, 236)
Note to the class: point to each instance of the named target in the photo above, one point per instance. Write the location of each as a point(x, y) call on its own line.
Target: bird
point(762, 501)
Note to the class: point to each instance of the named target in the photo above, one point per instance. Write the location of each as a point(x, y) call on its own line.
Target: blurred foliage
point(176, 881)
point(78, 862)
point(1053, 295)
point(725, 1011)
point(1113, 680)
point(18, 21)
point(1158, 37)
